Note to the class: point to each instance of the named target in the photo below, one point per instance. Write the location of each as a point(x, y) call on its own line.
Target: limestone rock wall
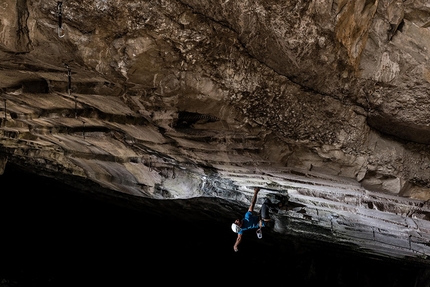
point(14, 32)
point(178, 99)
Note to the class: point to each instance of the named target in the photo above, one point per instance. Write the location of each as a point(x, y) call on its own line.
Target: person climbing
point(250, 220)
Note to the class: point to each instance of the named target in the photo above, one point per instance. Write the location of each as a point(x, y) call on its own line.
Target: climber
point(251, 221)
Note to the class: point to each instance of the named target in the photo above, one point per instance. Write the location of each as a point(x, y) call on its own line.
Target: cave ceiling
point(324, 105)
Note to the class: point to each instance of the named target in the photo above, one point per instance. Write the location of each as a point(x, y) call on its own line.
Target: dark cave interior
point(54, 236)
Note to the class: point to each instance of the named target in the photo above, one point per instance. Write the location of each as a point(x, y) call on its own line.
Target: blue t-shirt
point(250, 221)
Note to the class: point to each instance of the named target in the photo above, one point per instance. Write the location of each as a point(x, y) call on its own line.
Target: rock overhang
point(189, 104)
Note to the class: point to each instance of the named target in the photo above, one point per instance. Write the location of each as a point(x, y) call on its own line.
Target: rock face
point(322, 104)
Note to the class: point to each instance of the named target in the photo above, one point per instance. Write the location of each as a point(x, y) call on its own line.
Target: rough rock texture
point(322, 104)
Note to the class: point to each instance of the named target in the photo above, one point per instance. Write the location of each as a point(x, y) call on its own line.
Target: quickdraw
point(61, 32)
